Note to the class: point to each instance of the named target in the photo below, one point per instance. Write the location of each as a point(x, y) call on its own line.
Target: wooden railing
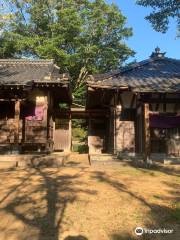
point(35, 131)
point(9, 133)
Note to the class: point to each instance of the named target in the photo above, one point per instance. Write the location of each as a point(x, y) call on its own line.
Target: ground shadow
point(173, 170)
point(80, 237)
point(53, 189)
point(122, 237)
point(162, 216)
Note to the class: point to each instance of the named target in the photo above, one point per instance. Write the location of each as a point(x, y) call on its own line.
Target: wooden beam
point(133, 100)
point(146, 132)
point(91, 89)
point(108, 87)
point(17, 118)
point(160, 100)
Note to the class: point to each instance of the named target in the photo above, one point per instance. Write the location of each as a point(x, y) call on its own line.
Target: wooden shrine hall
point(30, 91)
point(133, 111)
point(142, 104)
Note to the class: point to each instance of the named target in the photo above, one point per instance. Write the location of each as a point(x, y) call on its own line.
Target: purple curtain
point(159, 121)
point(39, 114)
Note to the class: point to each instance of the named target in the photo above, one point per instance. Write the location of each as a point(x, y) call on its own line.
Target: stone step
point(76, 159)
point(103, 157)
point(33, 160)
point(171, 160)
point(163, 158)
point(8, 164)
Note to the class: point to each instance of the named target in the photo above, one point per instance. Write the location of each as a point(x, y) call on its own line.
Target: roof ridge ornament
point(158, 53)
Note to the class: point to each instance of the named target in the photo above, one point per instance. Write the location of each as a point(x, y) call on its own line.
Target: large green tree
point(162, 11)
point(83, 36)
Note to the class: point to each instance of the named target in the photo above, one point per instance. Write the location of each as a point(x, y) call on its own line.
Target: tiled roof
point(23, 72)
point(157, 74)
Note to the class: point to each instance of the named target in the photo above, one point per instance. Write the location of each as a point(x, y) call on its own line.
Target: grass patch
point(136, 171)
point(80, 148)
point(176, 212)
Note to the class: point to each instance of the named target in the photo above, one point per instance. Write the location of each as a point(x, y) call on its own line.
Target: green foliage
point(80, 148)
point(78, 123)
point(162, 11)
point(63, 106)
point(82, 36)
point(79, 130)
point(79, 134)
point(176, 212)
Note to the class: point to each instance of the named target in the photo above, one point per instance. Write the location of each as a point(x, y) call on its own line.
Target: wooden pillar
point(17, 119)
point(115, 121)
point(146, 132)
point(115, 131)
point(140, 128)
point(46, 112)
point(111, 131)
point(47, 122)
point(118, 145)
point(70, 132)
point(90, 135)
point(23, 129)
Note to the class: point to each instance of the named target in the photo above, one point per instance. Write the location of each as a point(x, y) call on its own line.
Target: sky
point(145, 39)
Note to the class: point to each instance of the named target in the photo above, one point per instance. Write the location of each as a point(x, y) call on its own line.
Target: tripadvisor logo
point(139, 231)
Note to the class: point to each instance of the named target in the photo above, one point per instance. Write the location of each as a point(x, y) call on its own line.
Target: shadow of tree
point(40, 198)
point(122, 237)
point(14, 188)
point(46, 214)
point(80, 237)
point(161, 216)
point(169, 169)
point(103, 177)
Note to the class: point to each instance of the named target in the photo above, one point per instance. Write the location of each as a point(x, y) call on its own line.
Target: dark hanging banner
point(160, 121)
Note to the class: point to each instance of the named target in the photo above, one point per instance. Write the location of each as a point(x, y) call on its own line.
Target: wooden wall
point(157, 140)
point(128, 127)
point(116, 133)
point(8, 131)
point(62, 134)
point(97, 135)
point(30, 122)
point(125, 122)
point(139, 129)
point(10, 123)
point(125, 134)
point(36, 129)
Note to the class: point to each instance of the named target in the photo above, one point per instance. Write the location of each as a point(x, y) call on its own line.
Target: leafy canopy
point(83, 36)
point(163, 10)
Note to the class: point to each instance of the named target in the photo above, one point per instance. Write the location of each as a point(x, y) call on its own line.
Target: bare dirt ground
point(88, 203)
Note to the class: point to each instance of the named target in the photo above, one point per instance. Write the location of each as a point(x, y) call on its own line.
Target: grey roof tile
point(155, 74)
point(23, 72)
